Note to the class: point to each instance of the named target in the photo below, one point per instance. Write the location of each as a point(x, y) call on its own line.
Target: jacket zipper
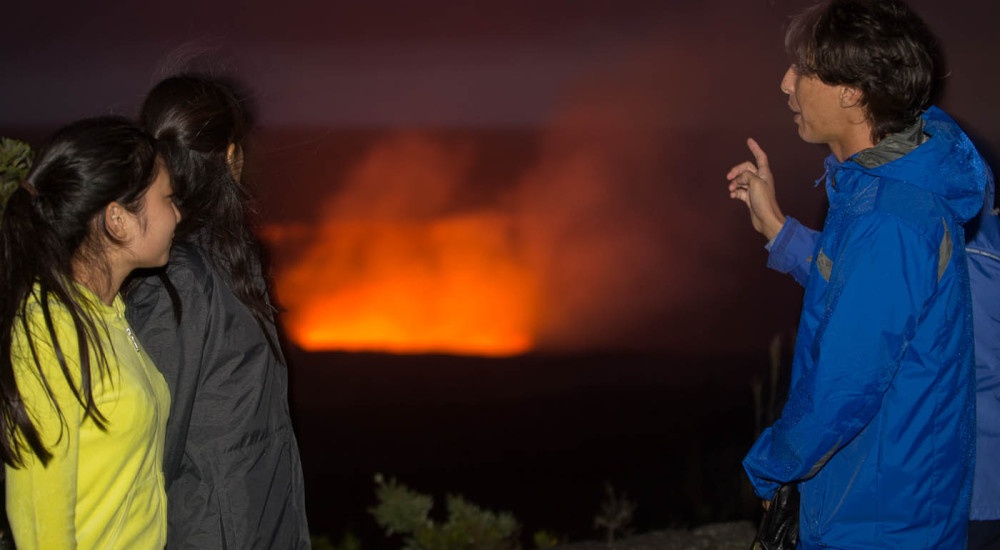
point(128, 330)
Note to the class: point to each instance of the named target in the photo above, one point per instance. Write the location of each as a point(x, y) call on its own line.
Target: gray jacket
point(231, 463)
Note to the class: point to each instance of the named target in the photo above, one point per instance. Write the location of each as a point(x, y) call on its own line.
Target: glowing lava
point(450, 285)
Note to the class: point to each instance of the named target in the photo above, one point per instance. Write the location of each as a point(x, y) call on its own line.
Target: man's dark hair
point(881, 47)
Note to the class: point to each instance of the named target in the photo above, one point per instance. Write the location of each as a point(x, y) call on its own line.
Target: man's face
point(818, 107)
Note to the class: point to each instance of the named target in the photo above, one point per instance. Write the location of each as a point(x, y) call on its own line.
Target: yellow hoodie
point(102, 488)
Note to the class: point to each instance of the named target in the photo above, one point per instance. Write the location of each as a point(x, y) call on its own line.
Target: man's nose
point(788, 81)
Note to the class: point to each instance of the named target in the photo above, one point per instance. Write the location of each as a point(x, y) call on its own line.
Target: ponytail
point(49, 222)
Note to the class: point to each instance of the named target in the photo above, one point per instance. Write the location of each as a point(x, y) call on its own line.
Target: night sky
point(611, 125)
point(391, 63)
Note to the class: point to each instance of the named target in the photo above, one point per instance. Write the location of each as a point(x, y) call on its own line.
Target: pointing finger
point(758, 154)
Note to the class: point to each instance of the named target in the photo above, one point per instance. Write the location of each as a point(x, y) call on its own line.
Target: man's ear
point(117, 221)
point(234, 157)
point(850, 96)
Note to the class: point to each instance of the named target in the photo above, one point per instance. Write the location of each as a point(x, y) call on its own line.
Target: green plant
point(468, 527)
point(616, 513)
point(15, 161)
point(349, 541)
point(545, 539)
point(321, 542)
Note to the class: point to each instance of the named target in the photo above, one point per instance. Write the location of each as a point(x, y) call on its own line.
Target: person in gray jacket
point(231, 463)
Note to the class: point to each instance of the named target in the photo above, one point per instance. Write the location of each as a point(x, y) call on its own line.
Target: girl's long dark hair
point(52, 221)
point(196, 120)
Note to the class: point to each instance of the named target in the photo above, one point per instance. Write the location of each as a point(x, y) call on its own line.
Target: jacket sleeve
point(45, 495)
point(791, 250)
point(868, 312)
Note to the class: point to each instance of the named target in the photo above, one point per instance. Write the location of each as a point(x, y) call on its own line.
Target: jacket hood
point(947, 164)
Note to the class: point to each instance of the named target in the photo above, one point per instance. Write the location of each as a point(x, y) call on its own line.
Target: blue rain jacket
point(878, 426)
point(791, 252)
point(984, 278)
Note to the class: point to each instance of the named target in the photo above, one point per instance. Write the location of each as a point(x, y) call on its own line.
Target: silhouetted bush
point(468, 527)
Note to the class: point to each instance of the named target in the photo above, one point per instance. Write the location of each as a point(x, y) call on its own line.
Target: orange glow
point(450, 285)
point(398, 264)
point(420, 248)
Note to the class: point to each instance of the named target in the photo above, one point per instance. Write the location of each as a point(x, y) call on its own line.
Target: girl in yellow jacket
point(82, 408)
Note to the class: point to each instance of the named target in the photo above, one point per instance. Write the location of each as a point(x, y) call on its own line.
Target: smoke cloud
point(609, 235)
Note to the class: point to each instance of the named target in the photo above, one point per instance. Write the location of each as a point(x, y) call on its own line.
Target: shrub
point(468, 527)
point(616, 514)
point(15, 161)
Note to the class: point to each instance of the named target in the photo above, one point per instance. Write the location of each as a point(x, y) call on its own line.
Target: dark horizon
point(537, 436)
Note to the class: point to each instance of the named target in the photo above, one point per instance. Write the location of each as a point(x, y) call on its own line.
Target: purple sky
point(637, 215)
point(341, 63)
point(396, 62)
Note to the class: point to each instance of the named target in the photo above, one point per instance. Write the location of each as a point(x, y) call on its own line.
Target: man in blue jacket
point(878, 426)
point(790, 251)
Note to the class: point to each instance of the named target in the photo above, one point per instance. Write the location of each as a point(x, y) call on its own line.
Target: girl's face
point(158, 218)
